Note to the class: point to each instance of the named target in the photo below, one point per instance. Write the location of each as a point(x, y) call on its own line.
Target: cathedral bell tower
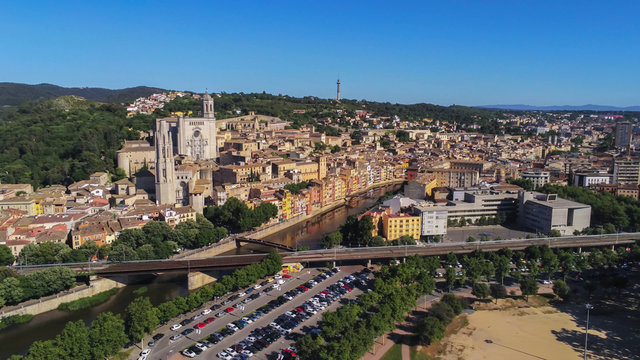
point(207, 105)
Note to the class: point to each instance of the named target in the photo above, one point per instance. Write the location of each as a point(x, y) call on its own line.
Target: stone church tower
point(197, 136)
point(165, 167)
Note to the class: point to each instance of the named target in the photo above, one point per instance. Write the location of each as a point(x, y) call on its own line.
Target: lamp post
point(586, 332)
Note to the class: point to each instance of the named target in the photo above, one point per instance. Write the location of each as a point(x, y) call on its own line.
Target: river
point(17, 339)
point(309, 233)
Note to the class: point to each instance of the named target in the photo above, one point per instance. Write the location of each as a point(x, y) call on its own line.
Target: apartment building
point(397, 225)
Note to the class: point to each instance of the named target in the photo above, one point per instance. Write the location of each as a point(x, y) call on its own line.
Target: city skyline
point(457, 53)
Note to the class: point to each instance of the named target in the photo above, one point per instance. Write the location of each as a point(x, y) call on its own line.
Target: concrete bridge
point(342, 254)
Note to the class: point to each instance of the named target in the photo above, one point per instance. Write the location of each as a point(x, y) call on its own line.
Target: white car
point(230, 351)
point(142, 357)
point(196, 316)
point(257, 286)
point(206, 311)
point(281, 281)
point(145, 352)
point(224, 356)
point(201, 346)
point(247, 320)
point(242, 294)
point(546, 282)
point(188, 353)
point(277, 277)
point(176, 327)
point(232, 327)
point(247, 352)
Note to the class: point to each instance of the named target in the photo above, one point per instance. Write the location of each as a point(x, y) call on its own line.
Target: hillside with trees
point(14, 94)
point(63, 140)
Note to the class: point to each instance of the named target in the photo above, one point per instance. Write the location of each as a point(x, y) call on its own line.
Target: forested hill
point(63, 140)
point(14, 94)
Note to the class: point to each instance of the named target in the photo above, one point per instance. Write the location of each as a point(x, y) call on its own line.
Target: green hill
point(63, 140)
point(13, 94)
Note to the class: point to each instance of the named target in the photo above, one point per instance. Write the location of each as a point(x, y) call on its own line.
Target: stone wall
point(48, 303)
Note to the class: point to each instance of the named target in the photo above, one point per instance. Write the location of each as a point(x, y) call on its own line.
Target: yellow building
point(286, 202)
point(397, 225)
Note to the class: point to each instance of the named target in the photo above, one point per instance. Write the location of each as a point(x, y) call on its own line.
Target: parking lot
point(270, 322)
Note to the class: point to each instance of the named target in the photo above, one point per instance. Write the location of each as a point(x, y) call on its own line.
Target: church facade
point(192, 137)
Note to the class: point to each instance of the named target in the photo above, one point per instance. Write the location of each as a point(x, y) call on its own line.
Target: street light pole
point(586, 332)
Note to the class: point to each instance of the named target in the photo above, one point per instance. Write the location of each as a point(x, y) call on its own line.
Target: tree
point(73, 342)
point(561, 289)
point(480, 290)
point(529, 286)
point(140, 318)
point(430, 330)
point(6, 258)
point(498, 291)
point(502, 267)
point(106, 335)
point(450, 276)
point(332, 239)
point(452, 259)
point(471, 239)
point(555, 233)
point(442, 311)
point(454, 302)
point(550, 262)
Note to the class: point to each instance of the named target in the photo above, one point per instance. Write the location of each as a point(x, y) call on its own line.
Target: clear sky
point(440, 51)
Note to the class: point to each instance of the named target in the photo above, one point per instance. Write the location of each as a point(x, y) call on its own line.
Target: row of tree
point(351, 330)
point(109, 333)
point(157, 240)
point(16, 288)
point(236, 216)
point(432, 328)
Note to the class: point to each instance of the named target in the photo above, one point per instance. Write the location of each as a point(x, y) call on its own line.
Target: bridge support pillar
point(404, 260)
point(199, 279)
point(613, 247)
point(333, 264)
point(579, 250)
point(369, 263)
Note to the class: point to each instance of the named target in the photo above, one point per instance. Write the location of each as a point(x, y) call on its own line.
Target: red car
point(286, 276)
point(229, 309)
point(299, 310)
point(199, 325)
point(348, 288)
point(209, 320)
point(304, 288)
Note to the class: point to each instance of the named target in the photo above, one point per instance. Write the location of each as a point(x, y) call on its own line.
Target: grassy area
point(122, 355)
point(88, 301)
point(15, 320)
point(416, 354)
point(140, 290)
point(395, 353)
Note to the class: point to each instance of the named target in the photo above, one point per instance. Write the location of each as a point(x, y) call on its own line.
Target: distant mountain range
point(562, 107)
point(13, 94)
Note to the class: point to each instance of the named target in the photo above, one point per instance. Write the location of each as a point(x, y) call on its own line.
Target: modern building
point(626, 171)
point(433, 219)
point(420, 187)
point(589, 179)
point(539, 177)
point(624, 132)
point(482, 202)
point(398, 225)
point(545, 212)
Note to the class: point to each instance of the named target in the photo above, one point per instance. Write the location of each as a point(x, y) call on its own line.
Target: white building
point(539, 178)
point(434, 219)
point(587, 179)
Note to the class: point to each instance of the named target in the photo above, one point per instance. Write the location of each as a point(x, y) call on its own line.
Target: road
point(165, 348)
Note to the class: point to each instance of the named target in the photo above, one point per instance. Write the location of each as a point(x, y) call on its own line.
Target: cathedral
point(191, 137)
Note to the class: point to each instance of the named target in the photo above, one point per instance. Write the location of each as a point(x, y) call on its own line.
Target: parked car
point(176, 327)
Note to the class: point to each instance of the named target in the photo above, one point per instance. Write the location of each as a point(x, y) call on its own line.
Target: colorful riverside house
point(397, 225)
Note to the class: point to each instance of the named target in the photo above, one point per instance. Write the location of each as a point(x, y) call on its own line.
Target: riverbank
point(48, 303)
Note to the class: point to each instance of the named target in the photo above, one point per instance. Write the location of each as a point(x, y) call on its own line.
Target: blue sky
point(441, 51)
